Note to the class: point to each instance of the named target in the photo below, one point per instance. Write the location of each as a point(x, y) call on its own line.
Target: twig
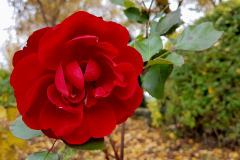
point(144, 5)
point(147, 28)
point(114, 148)
point(43, 13)
point(122, 141)
point(106, 153)
point(150, 7)
point(50, 149)
point(167, 52)
point(82, 155)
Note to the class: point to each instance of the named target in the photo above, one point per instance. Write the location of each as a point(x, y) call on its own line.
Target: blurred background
point(200, 115)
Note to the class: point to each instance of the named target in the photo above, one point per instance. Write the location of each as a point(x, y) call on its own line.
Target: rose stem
point(122, 140)
point(167, 52)
point(113, 146)
point(106, 153)
point(50, 149)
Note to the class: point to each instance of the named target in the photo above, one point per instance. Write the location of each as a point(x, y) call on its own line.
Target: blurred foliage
point(6, 91)
point(202, 97)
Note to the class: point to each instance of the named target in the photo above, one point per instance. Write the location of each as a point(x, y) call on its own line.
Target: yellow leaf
point(210, 90)
point(238, 70)
point(3, 112)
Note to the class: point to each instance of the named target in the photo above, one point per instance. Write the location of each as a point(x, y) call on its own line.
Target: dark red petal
point(24, 75)
point(108, 49)
point(60, 81)
point(74, 74)
point(55, 97)
point(81, 134)
point(107, 67)
point(132, 56)
point(50, 134)
point(34, 101)
point(118, 107)
point(77, 48)
point(117, 35)
point(21, 54)
point(92, 71)
point(128, 91)
point(90, 100)
point(34, 39)
point(101, 119)
point(51, 46)
point(61, 122)
point(134, 101)
point(100, 92)
point(125, 66)
point(106, 81)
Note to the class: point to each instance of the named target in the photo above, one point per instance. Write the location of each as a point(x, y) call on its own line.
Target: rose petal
point(34, 101)
point(34, 39)
point(61, 122)
point(118, 107)
point(128, 91)
point(90, 100)
point(101, 119)
point(134, 101)
point(55, 97)
point(74, 74)
point(51, 46)
point(24, 75)
point(78, 48)
point(92, 71)
point(60, 81)
point(50, 134)
point(81, 134)
point(107, 48)
point(132, 56)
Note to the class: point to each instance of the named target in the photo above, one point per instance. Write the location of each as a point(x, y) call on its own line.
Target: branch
point(180, 3)
point(213, 3)
point(43, 13)
point(114, 148)
point(122, 140)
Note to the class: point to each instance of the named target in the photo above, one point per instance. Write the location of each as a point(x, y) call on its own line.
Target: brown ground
point(141, 143)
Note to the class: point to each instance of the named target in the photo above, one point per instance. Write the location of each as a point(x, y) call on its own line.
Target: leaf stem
point(167, 52)
point(50, 149)
point(150, 6)
point(114, 148)
point(144, 5)
point(122, 141)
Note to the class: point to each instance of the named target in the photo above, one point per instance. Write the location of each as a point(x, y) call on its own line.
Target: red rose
point(77, 80)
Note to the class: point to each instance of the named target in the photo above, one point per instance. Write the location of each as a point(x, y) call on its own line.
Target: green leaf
point(153, 26)
point(175, 59)
point(133, 14)
point(167, 22)
point(66, 153)
point(157, 61)
point(91, 144)
point(129, 4)
point(198, 38)
point(160, 14)
point(118, 2)
point(172, 58)
point(20, 130)
point(42, 155)
point(155, 79)
point(149, 47)
point(144, 17)
point(138, 38)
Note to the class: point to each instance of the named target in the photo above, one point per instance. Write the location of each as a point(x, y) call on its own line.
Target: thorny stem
point(114, 148)
point(122, 141)
point(167, 52)
point(50, 149)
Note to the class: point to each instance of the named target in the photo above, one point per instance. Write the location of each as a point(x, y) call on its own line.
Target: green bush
point(6, 91)
point(204, 94)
